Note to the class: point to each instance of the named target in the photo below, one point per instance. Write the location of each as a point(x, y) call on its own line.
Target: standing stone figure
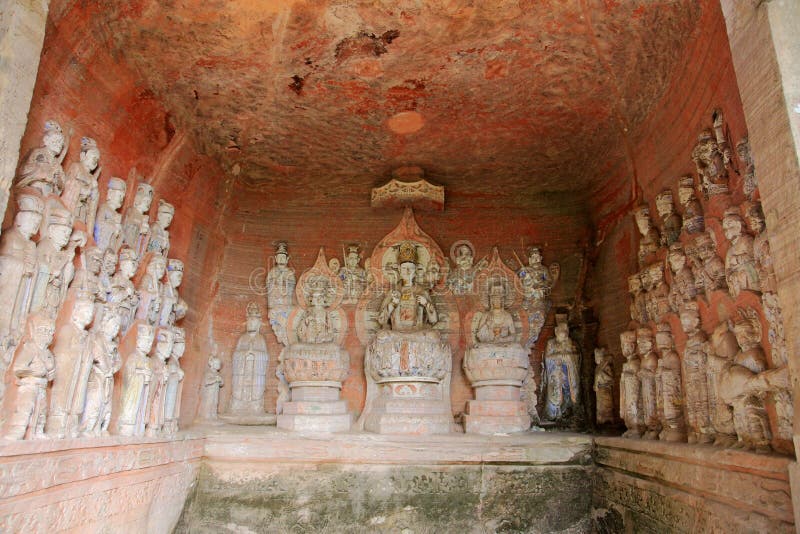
point(281, 282)
point(630, 402)
point(54, 262)
point(669, 387)
point(695, 361)
point(34, 368)
point(250, 362)
point(657, 296)
point(671, 222)
point(683, 288)
point(761, 249)
point(107, 229)
point(354, 278)
point(104, 351)
point(775, 334)
point(158, 384)
point(81, 192)
point(41, 168)
point(73, 365)
point(638, 307)
point(693, 219)
point(462, 277)
point(172, 402)
point(150, 289)
point(604, 386)
point(711, 164)
point(209, 394)
point(136, 377)
point(136, 224)
point(537, 281)
point(713, 273)
point(649, 240)
point(171, 302)
point(740, 265)
point(749, 182)
point(159, 235)
point(647, 380)
point(123, 294)
point(720, 360)
point(560, 379)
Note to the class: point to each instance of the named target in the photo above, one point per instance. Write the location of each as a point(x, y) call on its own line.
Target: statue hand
point(422, 300)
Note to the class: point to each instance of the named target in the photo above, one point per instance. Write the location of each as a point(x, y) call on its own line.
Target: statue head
point(732, 224)
point(77, 239)
point(599, 355)
point(464, 257)
point(214, 363)
point(627, 342)
point(59, 226)
point(497, 296)
point(41, 328)
point(705, 246)
point(178, 342)
point(407, 260)
point(165, 213)
point(157, 266)
point(656, 274)
point(154, 311)
point(644, 277)
point(109, 262)
point(723, 341)
point(164, 341)
point(686, 189)
point(676, 257)
point(175, 272)
point(634, 284)
point(317, 293)
point(642, 217)
point(253, 321)
point(144, 337)
point(534, 256)
point(143, 198)
point(282, 254)
point(562, 327)
point(29, 214)
point(128, 263)
point(644, 340)
point(110, 322)
point(747, 328)
point(755, 217)
point(53, 137)
point(664, 339)
point(352, 257)
point(664, 203)
point(690, 317)
point(115, 195)
point(83, 309)
point(90, 154)
point(93, 256)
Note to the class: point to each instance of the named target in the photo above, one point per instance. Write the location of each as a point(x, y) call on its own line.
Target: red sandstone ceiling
point(522, 96)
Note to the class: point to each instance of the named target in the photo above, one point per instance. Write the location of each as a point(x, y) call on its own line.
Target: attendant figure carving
point(749, 181)
point(136, 377)
point(354, 277)
point(761, 249)
point(159, 233)
point(250, 362)
point(711, 164)
point(462, 276)
point(740, 265)
point(172, 306)
point(54, 262)
point(630, 402)
point(123, 294)
point(150, 289)
point(604, 386)
point(683, 288)
point(81, 192)
point(136, 223)
point(158, 383)
point(671, 222)
point(649, 239)
point(209, 394)
point(41, 168)
point(720, 359)
point(693, 219)
point(107, 229)
point(695, 365)
point(713, 273)
point(172, 402)
point(560, 379)
point(647, 380)
point(657, 293)
point(638, 307)
point(281, 283)
point(106, 361)
point(669, 387)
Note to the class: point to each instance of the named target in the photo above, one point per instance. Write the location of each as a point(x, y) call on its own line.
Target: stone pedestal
point(315, 373)
point(496, 371)
point(408, 384)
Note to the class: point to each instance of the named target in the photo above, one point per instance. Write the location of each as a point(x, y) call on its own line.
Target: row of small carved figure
point(78, 278)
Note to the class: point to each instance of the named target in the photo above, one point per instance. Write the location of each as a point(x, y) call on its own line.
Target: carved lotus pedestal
point(496, 371)
point(408, 384)
point(315, 373)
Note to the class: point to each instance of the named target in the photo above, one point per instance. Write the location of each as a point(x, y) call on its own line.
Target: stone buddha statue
point(250, 362)
point(409, 307)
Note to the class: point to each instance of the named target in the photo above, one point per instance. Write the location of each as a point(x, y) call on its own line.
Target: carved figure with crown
point(353, 277)
point(537, 281)
point(496, 363)
point(314, 362)
point(408, 362)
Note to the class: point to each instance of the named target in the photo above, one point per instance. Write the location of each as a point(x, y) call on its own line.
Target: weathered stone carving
point(136, 377)
point(412, 190)
point(105, 362)
point(495, 362)
point(630, 402)
point(693, 219)
point(669, 387)
point(671, 222)
point(172, 400)
point(720, 359)
point(775, 335)
point(149, 289)
point(711, 157)
point(537, 282)
point(647, 379)
point(54, 262)
point(461, 278)
point(695, 361)
point(108, 224)
point(73, 365)
point(159, 235)
point(638, 307)
point(649, 240)
point(81, 192)
point(280, 292)
point(209, 394)
point(683, 288)
point(34, 368)
point(250, 362)
point(740, 265)
point(761, 248)
point(41, 169)
point(173, 308)
point(353, 277)
point(657, 295)
point(136, 223)
point(156, 402)
point(603, 386)
point(561, 375)
point(123, 295)
point(713, 272)
point(749, 181)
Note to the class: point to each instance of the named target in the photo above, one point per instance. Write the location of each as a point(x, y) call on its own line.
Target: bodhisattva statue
point(630, 402)
point(461, 278)
point(354, 277)
point(761, 249)
point(713, 273)
point(749, 182)
point(150, 289)
point(537, 279)
point(711, 164)
point(638, 307)
point(172, 402)
point(695, 364)
point(159, 235)
point(81, 192)
point(561, 378)
point(649, 240)
point(17, 273)
point(669, 387)
point(34, 368)
point(683, 288)
point(647, 378)
point(136, 223)
point(209, 392)
point(158, 384)
point(73, 357)
point(693, 219)
point(136, 377)
point(123, 294)
point(603, 386)
point(740, 265)
point(106, 361)
point(42, 168)
point(281, 283)
point(671, 222)
point(54, 262)
point(720, 360)
point(108, 224)
point(250, 363)
point(409, 307)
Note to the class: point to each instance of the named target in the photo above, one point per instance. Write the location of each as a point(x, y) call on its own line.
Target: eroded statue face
point(281, 259)
point(175, 278)
point(464, 258)
point(83, 312)
point(690, 320)
point(562, 333)
point(644, 344)
point(215, 363)
point(643, 222)
point(732, 228)
point(109, 262)
point(111, 325)
point(94, 261)
point(144, 341)
point(496, 302)
point(143, 199)
point(253, 324)
point(664, 205)
point(178, 348)
point(599, 356)
point(157, 267)
point(43, 335)
point(628, 346)
point(317, 299)
point(685, 194)
point(677, 261)
point(27, 222)
point(164, 346)
point(115, 198)
point(164, 218)
point(351, 260)
point(756, 222)
point(90, 158)
point(59, 234)
point(127, 268)
point(535, 257)
point(407, 272)
point(663, 341)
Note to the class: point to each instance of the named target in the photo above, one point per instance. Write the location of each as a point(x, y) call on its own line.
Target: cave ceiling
point(502, 97)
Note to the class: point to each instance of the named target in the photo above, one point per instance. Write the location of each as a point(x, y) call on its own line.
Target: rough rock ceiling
point(516, 96)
